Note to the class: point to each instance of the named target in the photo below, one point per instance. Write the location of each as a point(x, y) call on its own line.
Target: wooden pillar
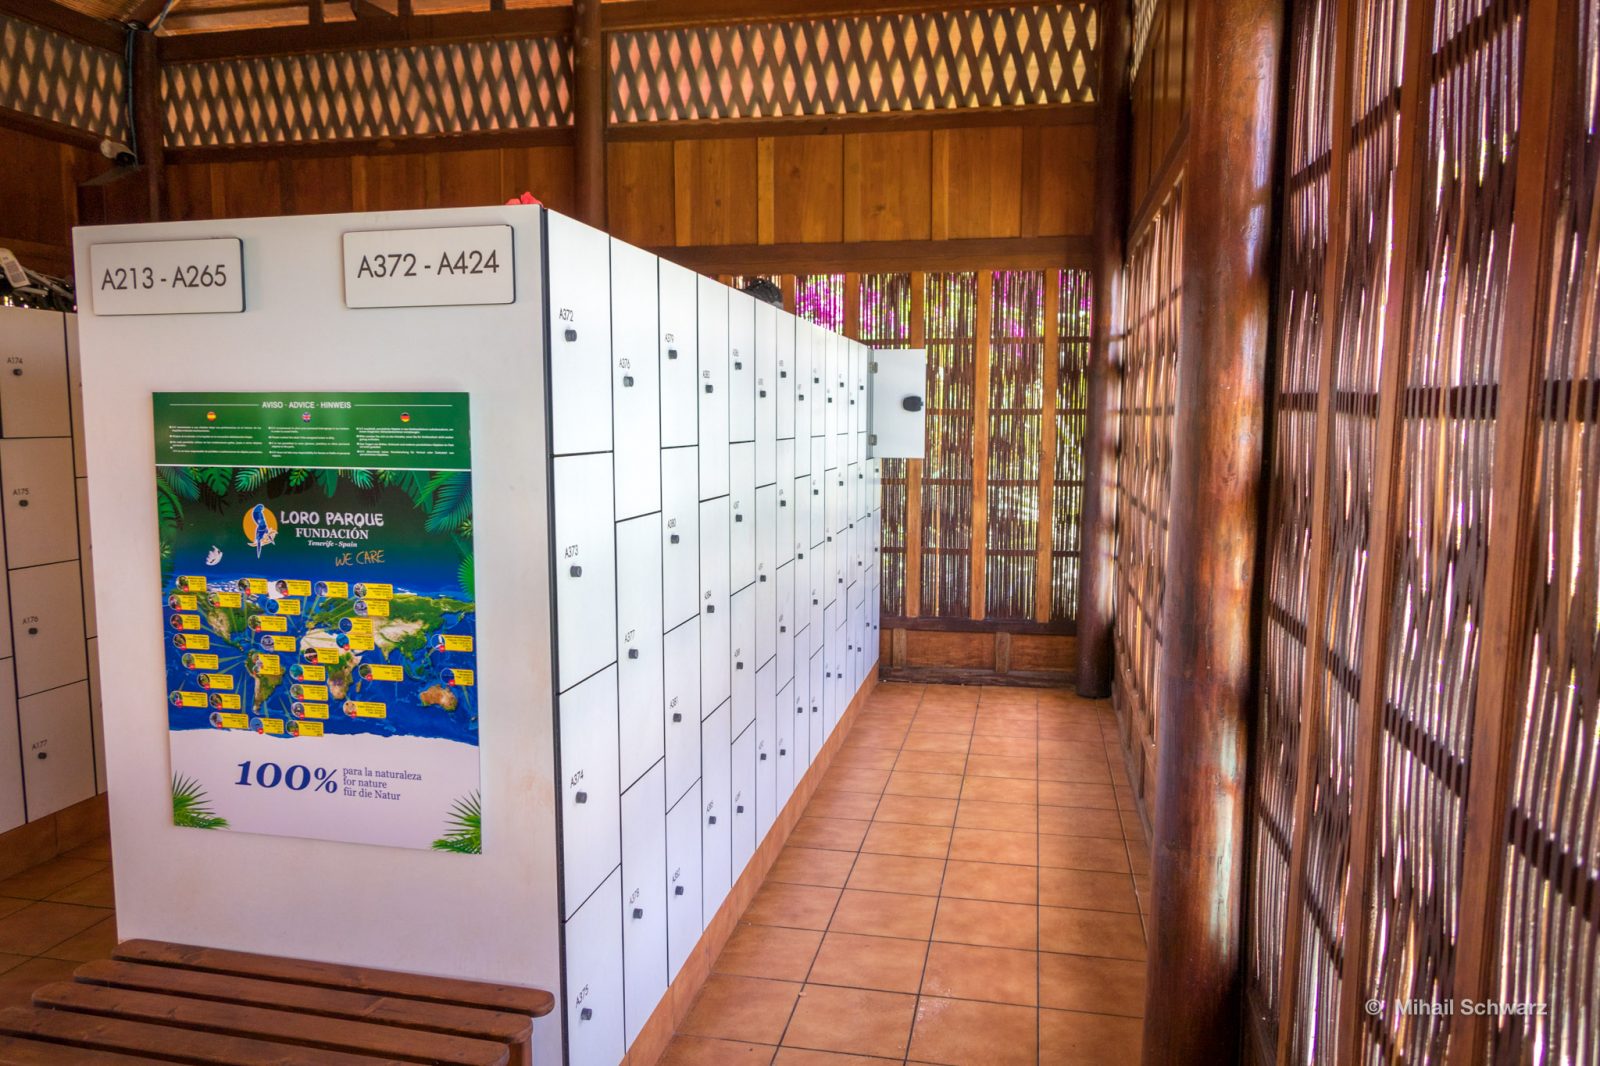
point(589, 112)
point(1192, 1009)
point(1097, 528)
point(146, 117)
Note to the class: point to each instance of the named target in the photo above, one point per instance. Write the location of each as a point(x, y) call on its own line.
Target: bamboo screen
point(819, 298)
point(886, 310)
point(1072, 401)
point(951, 304)
point(1016, 409)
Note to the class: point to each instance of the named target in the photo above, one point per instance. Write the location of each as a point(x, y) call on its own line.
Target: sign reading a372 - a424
point(429, 267)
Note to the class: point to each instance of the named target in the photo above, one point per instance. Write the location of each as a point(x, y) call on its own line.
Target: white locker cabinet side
point(585, 566)
point(679, 362)
point(96, 715)
point(786, 376)
point(80, 460)
point(640, 681)
point(743, 797)
point(47, 625)
point(579, 282)
point(786, 505)
point(57, 748)
point(766, 730)
point(716, 825)
point(783, 725)
point(785, 616)
point(816, 705)
point(86, 557)
point(591, 845)
point(681, 652)
point(595, 1031)
point(741, 366)
point(41, 500)
point(33, 386)
point(742, 507)
point(897, 388)
point(804, 337)
point(11, 808)
point(635, 381)
point(744, 658)
point(684, 920)
point(644, 898)
point(680, 536)
point(712, 355)
point(715, 631)
point(766, 356)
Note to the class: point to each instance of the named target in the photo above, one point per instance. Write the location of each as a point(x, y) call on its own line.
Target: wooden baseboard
point(674, 1006)
point(43, 839)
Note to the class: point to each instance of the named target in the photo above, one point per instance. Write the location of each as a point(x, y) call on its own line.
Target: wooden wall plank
point(764, 190)
point(392, 182)
point(247, 190)
point(808, 189)
point(313, 185)
point(981, 173)
point(719, 180)
point(887, 178)
point(1066, 180)
point(639, 182)
point(546, 171)
point(468, 179)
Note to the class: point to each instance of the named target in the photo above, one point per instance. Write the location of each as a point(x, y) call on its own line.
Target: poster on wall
point(318, 615)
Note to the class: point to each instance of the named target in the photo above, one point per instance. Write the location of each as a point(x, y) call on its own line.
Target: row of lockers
point(50, 737)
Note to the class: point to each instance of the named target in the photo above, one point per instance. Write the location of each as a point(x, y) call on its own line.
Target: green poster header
point(309, 430)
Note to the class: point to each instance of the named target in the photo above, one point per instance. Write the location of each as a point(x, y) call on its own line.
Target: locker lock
point(672, 353)
point(711, 608)
point(738, 666)
point(783, 503)
point(800, 396)
point(570, 334)
point(708, 388)
point(763, 577)
point(739, 809)
point(738, 518)
point(627, 381)
point(738, 364)
point(712, 820)
point(677, 890)
point(582, 797)
point(587, 1012)
point(783, 629)
point(783, 751)
point(813, 601)
point(42, 755)
point(638, 912)
point(912, 403)
point(16, 371)
point(813, 709)
point(677, 716)
point(22, 502)
point(816, 381)
point(674, 538)
point(575, 571)
point(799, 710)
point(33, 631)
point(633, 653)
point(783, 373)
point(762, 393)
point(763, 756)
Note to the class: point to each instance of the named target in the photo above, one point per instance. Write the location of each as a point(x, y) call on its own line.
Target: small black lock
point(762, 393)
point(800, 396)
point(763, 756)
point(737, 365)
point(576, 571)
point(708, 388)
point(627, 381)
point(738, 666)
point(712, 820)
point(763, 577)
point(571, 334)
point(22, 503)
point(638, 912)
point(42, 755)
point(586, 1013)
point(633, 653)
point(912, 403)
point(674, 538)
point(672, 353)
point(738, 518)
point(783, 751)
point(783, 629)
point(711, 608)
point(16, 371)
point(739, 809)
point(582, 797)
point(677, 716)
point(783, 373)
point(677, 890)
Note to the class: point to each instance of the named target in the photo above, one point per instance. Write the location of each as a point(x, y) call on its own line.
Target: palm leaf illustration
point(190, 807)
point(451, 506)
point(463, 828)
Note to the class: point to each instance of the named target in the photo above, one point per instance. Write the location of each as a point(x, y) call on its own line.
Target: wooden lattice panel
point(60, 79)
point(886, 323)
point(1072, 405)
point(951, 302)
point(905, 61)
point(1016, 403)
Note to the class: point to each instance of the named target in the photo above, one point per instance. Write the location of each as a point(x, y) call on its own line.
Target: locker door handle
point(582, 797)
point(672, 353)
point(911, 403)
point(627, 381)
point(708, 388)
point(677, 890)
point(763, 577)
point(575, 571)
point(586, 1013)
point(638, 912)
point(763, 756)
point(675, 538)
point(571, 335)
point(633, 653)
point(711, 820)
point(739, 809)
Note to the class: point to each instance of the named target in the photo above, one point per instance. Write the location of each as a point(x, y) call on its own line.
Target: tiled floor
point(966, 887)
point(54, 917)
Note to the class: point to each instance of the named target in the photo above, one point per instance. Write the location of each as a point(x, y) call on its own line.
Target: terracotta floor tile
point(1000, 790)
point(977, 921)
point(811, 866)
point(798, 1056)
point(897, 873)
point(705, 1051)
point(833, 834)
point(95, 942)
point(10, 962)
point(1099, 986)
point(987, 814)
point(991, 881)
point(852, 1020)
point(845, 779)
point(52, 876)
point(1080, 822)
point(1072, 749)
point(865, 758)
point(1083, 853)
point(884, 914)
point(93, 891)
point(1103, 933)
point(1069, 1037)
point(1007, 726)
point(995, 975)
point(1074, 771)
point(95, 850)
point(1062, 794)
point(842, 805)
point(794, 906)
point(898, 838)
point(1138, 861)
point(931, 762)
point(35, 929)
point(17, 984)
point(769, 951)
point(963, 1033)
point(934, 786)
point(1087, 889)
point(959, 725)
point(10, 905)
point(1015, 747)
point(916, 810)
point(741, 1008)
point(1068, 730)
point(1022, 767)
point(872, 737)
point(995, 845)
point(930, 741)
point(886, 964)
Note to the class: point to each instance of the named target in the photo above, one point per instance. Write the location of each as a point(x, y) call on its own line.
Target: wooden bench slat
point(285, 1027)
point(534, 1002)
point(88, 1032)
point(20, 1051)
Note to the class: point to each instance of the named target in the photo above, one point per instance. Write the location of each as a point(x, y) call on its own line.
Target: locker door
point(800, 713)
point(802, 518)
point(833, 502)
point(716, 825)
point(635, 381)
point(875, 550)
point(714, 629)
point(833, 571)
point(829, 371)
point(713, 391)
point(819, 494)
point(786, 378)
point(836, 667)
point(41, 501)
point(47, 620)
point(86, 557)
point(586, 609)
point(766, 729)
point(785, 616)
point(11, 810)
point(804, 335)
point(821, 342)
point(766, 620)
point(594, 988)
point(640, 681)
point(679, 392)
point(681, 660)
point(896, 416)
point(818, 597)
point(744, 658)
point(784, 538)
point(744, 799)
point(33, 389)
point(783, 720)
point(741, 366)
point(579, 281)
point(591, 845)
point(684, 921)
point(766, 356)
point(766, 566)
point(742, 502)
point(816, 709)
point(644, 899)
point(80, 461)
point(680, 536)
point(859, 641)
point(853, 407)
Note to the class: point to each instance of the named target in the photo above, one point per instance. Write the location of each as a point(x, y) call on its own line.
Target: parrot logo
point(260, 527)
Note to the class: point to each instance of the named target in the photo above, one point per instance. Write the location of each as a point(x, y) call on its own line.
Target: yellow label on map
point(256, 586)
point(372, 590)
point(455, 642)
point(287, 607)
point(318, 693)
point(188, 699)
point(269, 623)
point(382, 672)
point(323, 656)
point(216, 681)
point(459, 676)
point(378, 608)
point(192, 584)
point(191, 641)
point(360, 709)
point(268, 665)
point(311, 710)
point(200, 662)
point(290, 587)
point(311, 673)
point(185, 621)
point(305, 729)
point(232, 721)
point(361, 643)
point(278, 643)
point(226, 701)
point(337, 590)
point(182, 601)
point(272, 726)
point(226, 599)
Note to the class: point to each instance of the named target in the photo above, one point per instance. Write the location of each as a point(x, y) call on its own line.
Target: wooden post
point(1192, 1009)
point(1096, 574)
point(147, 121)
point(589, 112)
point(978, 551)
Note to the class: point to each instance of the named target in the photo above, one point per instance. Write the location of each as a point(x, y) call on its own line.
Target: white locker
point(11, 808)
point(784, 543)
point(800, 705)
point(579, 276)
point(57, 748)
point(86, 557)
point(766, 729)
point(818, 597)
point(859, 533)
point(766, 621)
point(817, 699)
point(786, 376)
point(716, 836)
point(96, 715)
point(714, 627)
point(80, 461)
point(712, 337)
point(644, 899)
point(817, 382)
point(640, 679)
point(839, 682)
point(741, 366)
point(783, 722)
point(594, 988)
point(742, 505)
point(684, 921)
point(820, 480)
point(858, 644)
point(681, 711)
point(896, 418)
point(47, 622)
point(802, 518)
point(41, 500)
point(590, 844)
point(743, 797)
point(33, 388)
point(679, 355)
point(825, 373)
point(804, 338)
point(766, 529)
point(744, 658)
point(785, 617)
point(635, 381)
point(766, 357)
point(833, 570)
point(833, 498)
point(586, 607)
point(680, 536)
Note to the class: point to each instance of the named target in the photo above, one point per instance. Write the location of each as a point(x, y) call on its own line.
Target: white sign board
point(429, 267)
point(167, 277)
